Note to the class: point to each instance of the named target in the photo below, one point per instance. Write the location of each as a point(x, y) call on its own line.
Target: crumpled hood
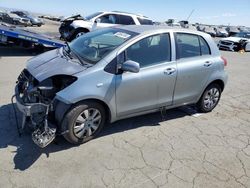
point(73, 17)
point(233, 39)
point(52, 63)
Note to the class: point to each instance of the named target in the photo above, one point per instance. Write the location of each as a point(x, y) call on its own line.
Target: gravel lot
point(177, 150)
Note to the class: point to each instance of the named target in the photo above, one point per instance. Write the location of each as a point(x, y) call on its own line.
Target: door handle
point(207, 63)
point(169, 71)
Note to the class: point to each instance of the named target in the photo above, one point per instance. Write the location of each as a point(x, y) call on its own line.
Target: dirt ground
point(180, 149)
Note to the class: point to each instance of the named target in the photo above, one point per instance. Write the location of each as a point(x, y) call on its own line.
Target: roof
point(139, 15)
point(151, 28)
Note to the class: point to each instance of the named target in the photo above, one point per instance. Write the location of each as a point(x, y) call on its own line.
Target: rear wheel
point(83, 122)
point(210, 98)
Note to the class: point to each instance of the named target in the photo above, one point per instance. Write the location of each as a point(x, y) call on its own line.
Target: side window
point(145, 21)
point(205, 50)
point(187, 45)
point(151, 50)
point(109, 18)
point(126, 20)
point(190, 45)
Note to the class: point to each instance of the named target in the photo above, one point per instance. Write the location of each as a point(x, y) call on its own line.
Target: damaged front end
point(36, 101)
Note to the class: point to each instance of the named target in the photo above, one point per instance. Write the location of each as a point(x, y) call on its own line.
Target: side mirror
point(98, 20)
point(131, 66)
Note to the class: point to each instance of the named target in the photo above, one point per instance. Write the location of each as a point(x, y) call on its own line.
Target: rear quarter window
point(145, 21)
point(205, 50)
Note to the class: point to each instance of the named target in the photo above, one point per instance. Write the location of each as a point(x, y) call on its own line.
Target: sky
point(227, 12)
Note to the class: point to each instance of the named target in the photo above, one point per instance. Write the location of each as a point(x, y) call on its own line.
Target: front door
point(106, 20)
point(138, 92)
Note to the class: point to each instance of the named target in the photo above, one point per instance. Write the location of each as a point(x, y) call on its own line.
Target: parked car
point(1, 16)
point(232, 30)
point(184, 23)
point(75, 26)
point(200, 28)
point(11, 18)
point(210, 31)
point(33, 19)
point(220, 32)
point(236, 42)
point(115, 73)
point(192, 27)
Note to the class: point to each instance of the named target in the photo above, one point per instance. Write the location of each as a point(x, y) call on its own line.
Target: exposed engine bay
point(36, 101)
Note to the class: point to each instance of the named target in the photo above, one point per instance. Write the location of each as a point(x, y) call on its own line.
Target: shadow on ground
point(27, 152)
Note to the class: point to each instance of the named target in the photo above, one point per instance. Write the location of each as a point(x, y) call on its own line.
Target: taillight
point(224, 61)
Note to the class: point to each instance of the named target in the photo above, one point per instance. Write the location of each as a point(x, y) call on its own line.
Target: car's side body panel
point(130, 94)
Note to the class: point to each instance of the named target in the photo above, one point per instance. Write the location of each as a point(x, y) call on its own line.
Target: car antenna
point(190, 14)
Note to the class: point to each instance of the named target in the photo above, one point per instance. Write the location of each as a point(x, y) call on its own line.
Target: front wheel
point(247, 47)
point(210, 98)
point(83, 122)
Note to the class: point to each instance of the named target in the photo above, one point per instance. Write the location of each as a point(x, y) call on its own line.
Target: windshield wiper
point(80, 59)
point(69, 49)
point(71, 52)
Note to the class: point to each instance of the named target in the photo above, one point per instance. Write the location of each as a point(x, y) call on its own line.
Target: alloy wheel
point(211, 98)
point(79, 34)
point(87, 123)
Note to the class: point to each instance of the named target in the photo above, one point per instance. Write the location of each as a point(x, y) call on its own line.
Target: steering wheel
point(94, 51)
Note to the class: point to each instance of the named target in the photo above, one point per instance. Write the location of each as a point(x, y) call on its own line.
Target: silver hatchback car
point(116, 73)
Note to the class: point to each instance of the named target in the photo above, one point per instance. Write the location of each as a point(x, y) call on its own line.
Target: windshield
point(94, 46)
point(89, 17)
point(242, 35)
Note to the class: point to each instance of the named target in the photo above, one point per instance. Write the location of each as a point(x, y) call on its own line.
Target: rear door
point(194, 64)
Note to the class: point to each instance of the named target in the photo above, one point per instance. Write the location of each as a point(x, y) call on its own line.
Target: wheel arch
point(61, 109)
point(81, 29)
point(104, 104)
point(218, 82)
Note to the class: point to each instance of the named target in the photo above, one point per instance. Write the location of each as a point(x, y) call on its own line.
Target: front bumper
point(228, 45)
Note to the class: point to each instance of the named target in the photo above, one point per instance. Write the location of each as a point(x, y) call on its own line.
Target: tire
point(245, 47)
point(78, 33)
point(210, 98)
point(80, 128)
